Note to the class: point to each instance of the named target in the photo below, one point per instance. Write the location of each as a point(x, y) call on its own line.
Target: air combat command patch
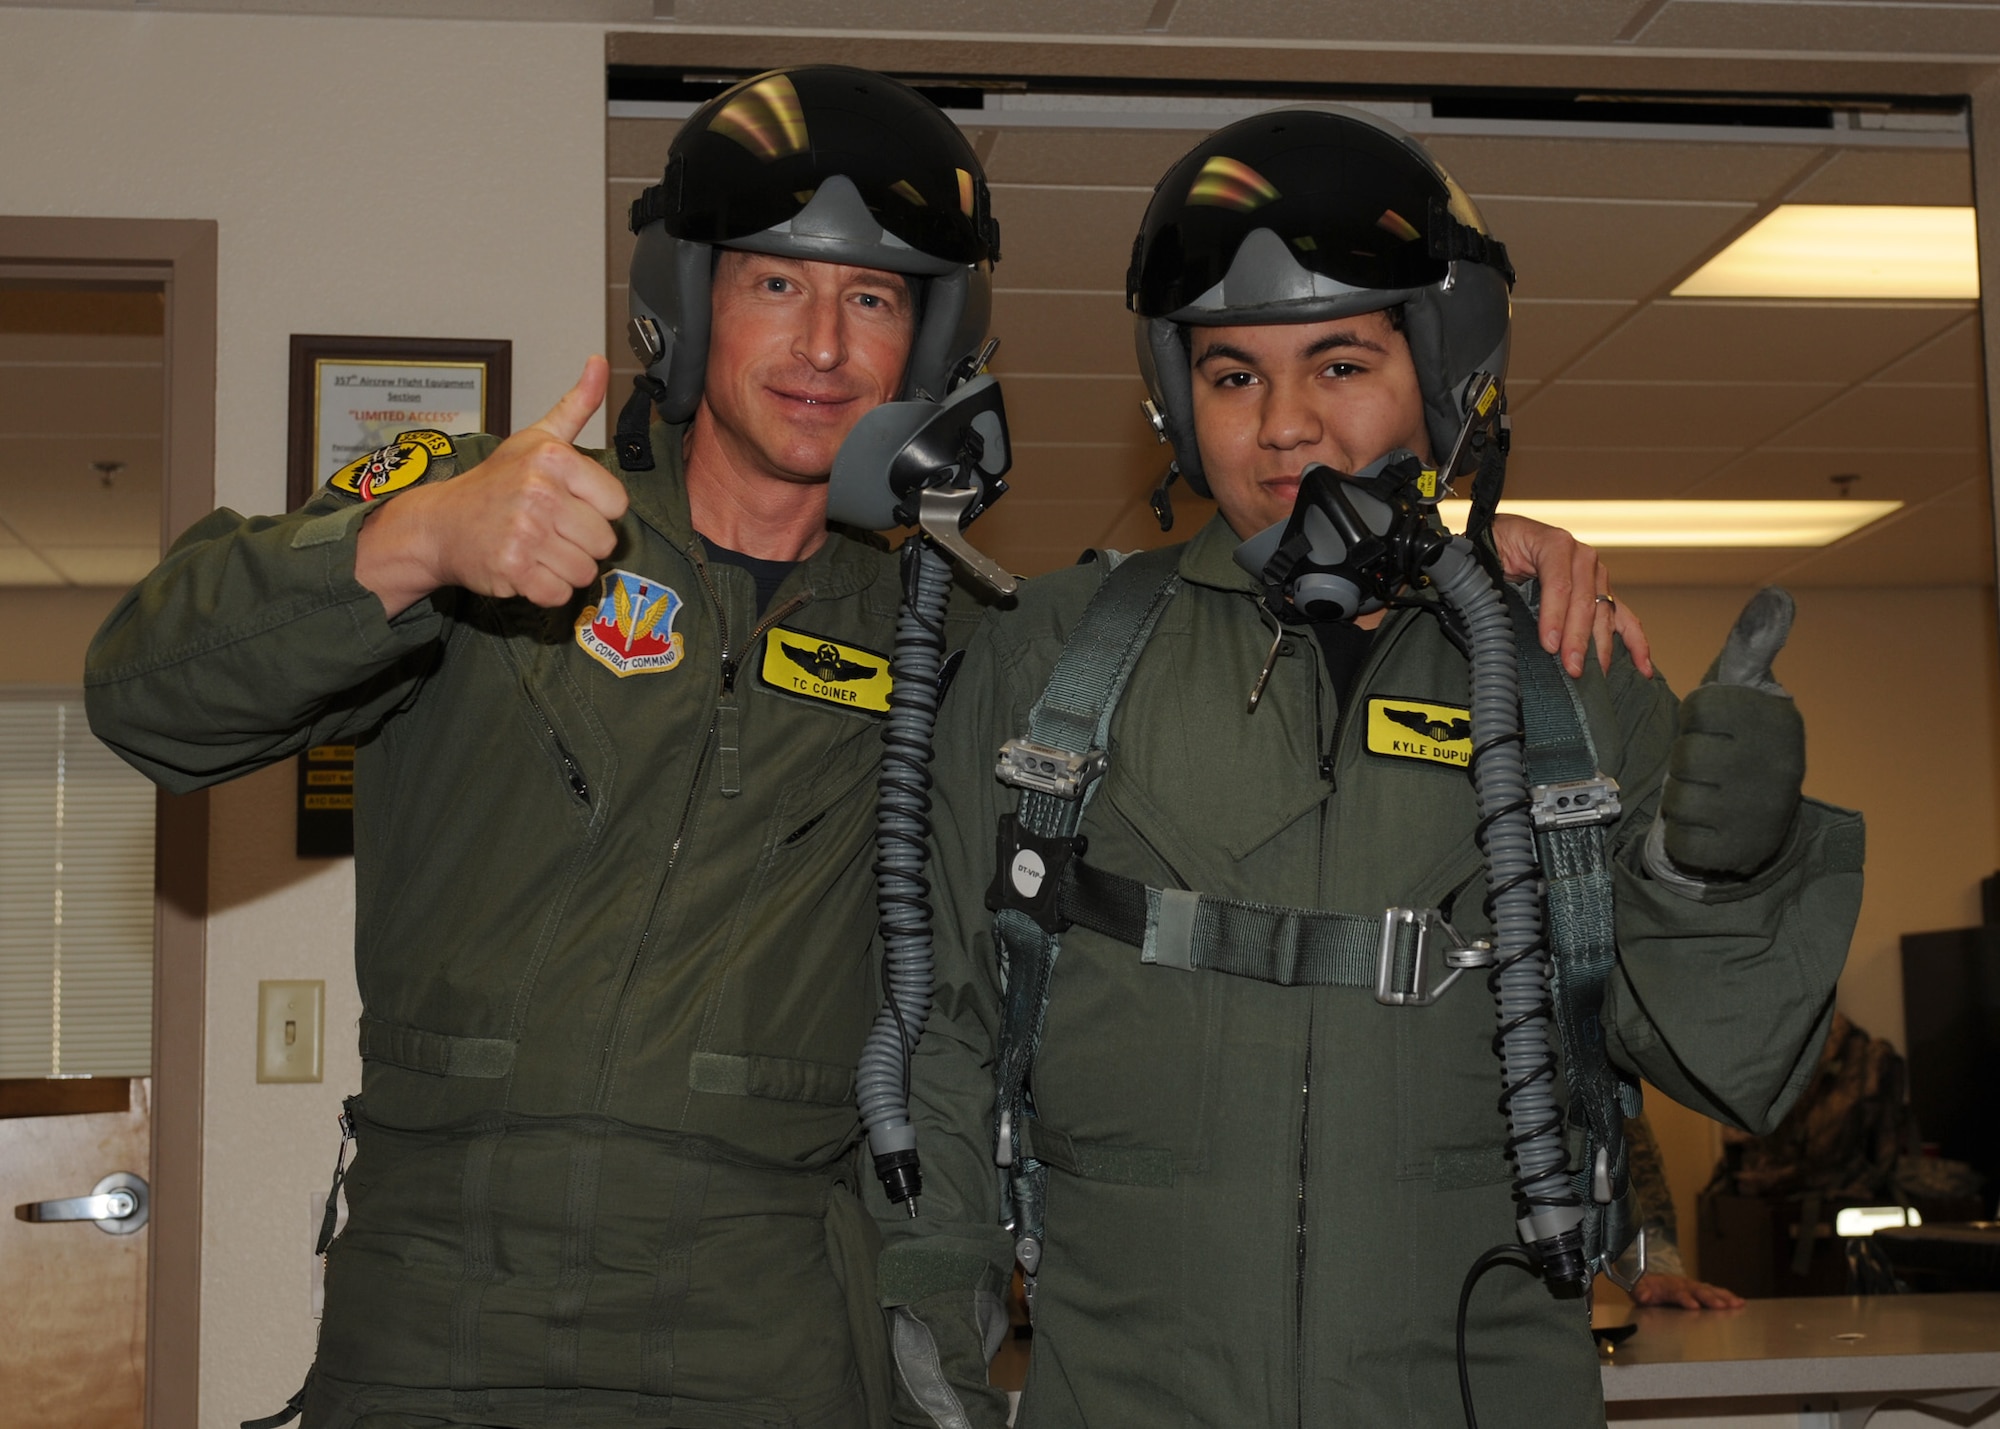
point(403, 463)
point(630, 631)
point(1417, 729)
point(817, 668)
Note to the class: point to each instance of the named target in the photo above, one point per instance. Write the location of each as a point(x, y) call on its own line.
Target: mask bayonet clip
point(939, 510)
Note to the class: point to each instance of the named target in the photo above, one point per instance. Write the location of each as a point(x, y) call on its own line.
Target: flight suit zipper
point(716, 734)
point(572, 771)
point(1299, 1244)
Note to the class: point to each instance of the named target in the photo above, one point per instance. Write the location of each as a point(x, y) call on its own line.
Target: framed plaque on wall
point(350, 397)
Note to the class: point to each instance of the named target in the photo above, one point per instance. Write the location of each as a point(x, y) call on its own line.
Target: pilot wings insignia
point(1444, 732)
point(827, 663)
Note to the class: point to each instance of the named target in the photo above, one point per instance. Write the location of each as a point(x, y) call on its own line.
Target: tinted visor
point(1350, 202)
point(752, 158)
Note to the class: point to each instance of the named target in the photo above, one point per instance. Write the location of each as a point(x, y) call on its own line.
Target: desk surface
point(1818, 1345)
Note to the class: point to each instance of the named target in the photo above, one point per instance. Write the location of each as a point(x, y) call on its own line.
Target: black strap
point(649, 207)
point(1582, 937)
point(1451, 240)
point(635, 424)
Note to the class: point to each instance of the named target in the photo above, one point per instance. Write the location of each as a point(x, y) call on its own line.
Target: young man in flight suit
point(1264, 1190)
point(614, 813)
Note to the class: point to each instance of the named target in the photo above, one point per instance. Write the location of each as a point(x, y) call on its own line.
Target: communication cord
point(1549, 1214)
point(902, 889)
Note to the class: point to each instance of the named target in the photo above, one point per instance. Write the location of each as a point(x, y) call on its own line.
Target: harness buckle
point(1573, 803)
point(1023, 764)
point(1419, 926)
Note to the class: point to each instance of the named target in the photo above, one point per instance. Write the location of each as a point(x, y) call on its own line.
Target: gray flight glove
point(1735, 771)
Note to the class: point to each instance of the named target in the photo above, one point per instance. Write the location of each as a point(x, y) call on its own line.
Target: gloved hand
point(1735, 771)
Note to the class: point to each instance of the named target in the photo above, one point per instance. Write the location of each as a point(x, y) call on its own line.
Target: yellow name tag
point(817, 668)
point(1417, 729)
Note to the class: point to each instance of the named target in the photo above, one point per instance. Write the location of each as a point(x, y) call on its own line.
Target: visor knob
point(647, 344)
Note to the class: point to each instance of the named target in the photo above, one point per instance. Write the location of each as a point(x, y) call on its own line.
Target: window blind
point(76, 896)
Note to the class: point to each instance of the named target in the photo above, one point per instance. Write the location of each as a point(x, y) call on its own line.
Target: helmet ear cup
point(1163, 362)
point(951, 322)
point(672, 282)
point(1454, 331)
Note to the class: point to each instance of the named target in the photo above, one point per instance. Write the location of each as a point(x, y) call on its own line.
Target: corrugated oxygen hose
point(1550, 1215)
point(902, 891)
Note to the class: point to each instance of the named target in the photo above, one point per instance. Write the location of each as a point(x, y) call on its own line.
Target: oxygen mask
point(1351, 542)
point(932, 465)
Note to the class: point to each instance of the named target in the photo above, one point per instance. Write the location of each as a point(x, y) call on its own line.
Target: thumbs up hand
point(532, 520)
point(1738, 763)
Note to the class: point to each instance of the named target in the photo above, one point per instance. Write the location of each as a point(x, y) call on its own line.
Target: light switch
point(290, 1018)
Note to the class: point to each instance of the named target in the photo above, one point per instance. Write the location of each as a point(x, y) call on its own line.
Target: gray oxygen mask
point(1351, 542)
point(932, 465)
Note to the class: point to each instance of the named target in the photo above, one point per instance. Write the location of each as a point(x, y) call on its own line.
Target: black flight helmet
point(820, 162)
point(1300, 215)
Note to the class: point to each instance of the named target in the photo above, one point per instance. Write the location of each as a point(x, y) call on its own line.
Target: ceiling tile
point(1068, 472)
point(1769, 474)
point(121, 349)
point(1130, 157)
point(1066, 238)
point(1751, 342)
point(79, 510)
point(101, 565)
point(1616, 168)
point(1078, 409)
point(1882, 29)
point(1913, 176)
point(1884, 416)
point(1730, 566)
point(1949, 542)
point(1607, 249)
point(637, 148)
point(1062, 332)
point(1573, 413)
point(50, 401)
point(20, 566)
point(1952, 356)
point(1570, 473)
point(1549, 334)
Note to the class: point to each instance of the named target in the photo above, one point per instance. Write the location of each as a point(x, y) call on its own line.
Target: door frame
point(183, 252)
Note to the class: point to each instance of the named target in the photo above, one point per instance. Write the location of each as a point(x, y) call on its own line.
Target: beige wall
point(369, 176)
point(1900, 689)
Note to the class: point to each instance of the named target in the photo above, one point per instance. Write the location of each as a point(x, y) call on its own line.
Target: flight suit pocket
point(784, 1079)
point(438, 1053)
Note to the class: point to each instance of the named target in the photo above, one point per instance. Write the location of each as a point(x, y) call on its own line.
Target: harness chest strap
point(1067, 730)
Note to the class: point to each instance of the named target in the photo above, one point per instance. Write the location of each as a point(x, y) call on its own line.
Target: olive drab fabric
point(1263, 1199)
point(613, 937)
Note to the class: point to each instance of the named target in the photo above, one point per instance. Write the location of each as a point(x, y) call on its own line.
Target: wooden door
point(72, 1297)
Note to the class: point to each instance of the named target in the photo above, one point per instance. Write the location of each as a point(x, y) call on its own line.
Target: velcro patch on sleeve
point(816, 668)
point(1420, 729)
point(413, 457)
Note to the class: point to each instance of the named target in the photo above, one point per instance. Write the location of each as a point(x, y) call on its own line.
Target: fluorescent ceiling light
point(1846, 250)
point(1695, 523)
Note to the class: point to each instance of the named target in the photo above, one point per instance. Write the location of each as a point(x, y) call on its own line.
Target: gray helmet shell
point(672, 276)
point(1456, 326)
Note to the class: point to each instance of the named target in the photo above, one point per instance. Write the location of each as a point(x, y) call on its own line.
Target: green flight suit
point(1264, 1199)
point(613, 937)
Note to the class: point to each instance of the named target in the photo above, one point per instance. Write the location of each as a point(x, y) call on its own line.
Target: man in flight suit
point(613, 911)
point(617, 719)
point(1264, 1190)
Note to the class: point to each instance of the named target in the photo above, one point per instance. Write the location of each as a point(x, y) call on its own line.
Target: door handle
point(118, 1205)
